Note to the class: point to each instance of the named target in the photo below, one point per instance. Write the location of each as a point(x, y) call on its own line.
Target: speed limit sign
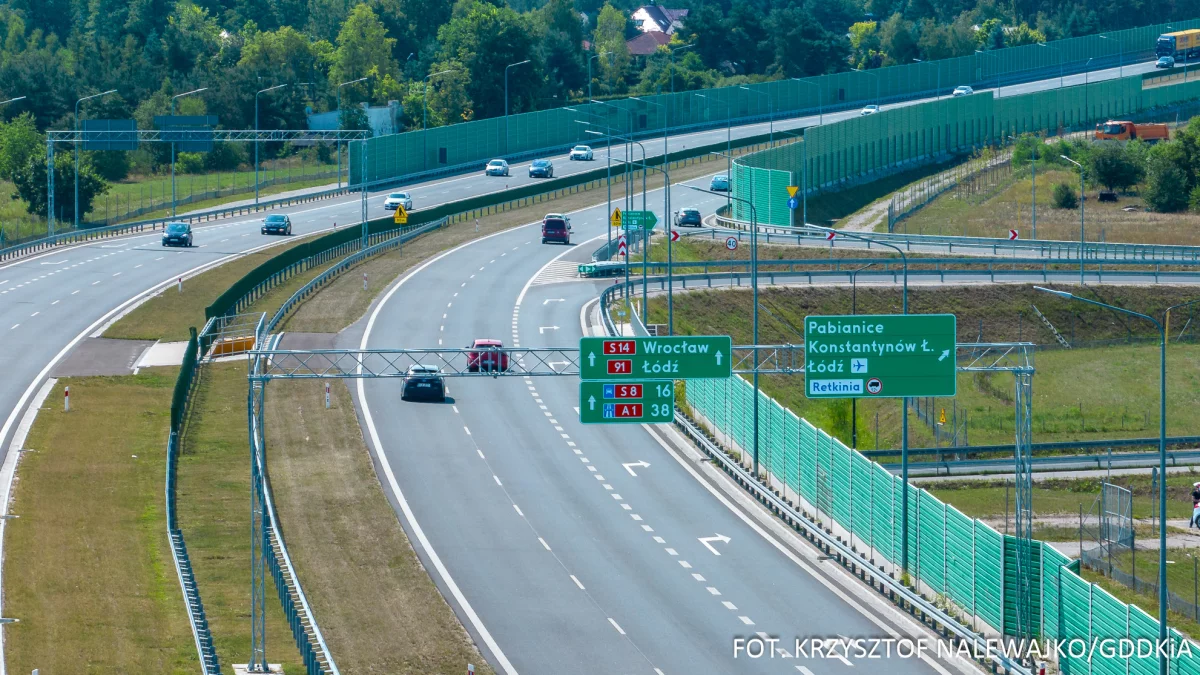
point(731, 243)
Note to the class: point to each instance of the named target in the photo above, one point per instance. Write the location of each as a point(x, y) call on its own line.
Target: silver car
point(580, 153)
point(398, 199)
point(964, 90)
point(496, 167)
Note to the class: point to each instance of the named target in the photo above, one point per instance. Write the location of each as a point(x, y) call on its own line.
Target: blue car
point(719, 184)
point(177, 234)
point(541, 168)
point(277, 223)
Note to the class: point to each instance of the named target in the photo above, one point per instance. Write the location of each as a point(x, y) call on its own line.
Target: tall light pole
point(820, 107)
point(728, 144)
point(593, 56)
point(770, 110)
point(997, 71)
point(608, 160)
point(754, 291)
point(1120, 53)
point(628, 148)
point(854, 311)
point(511, 65)
point(177, 96)
point(1060, 64)
point(1087, 115)
point(1033, 173)
point(77, 143)
point(644, 236)
point(874, 75)
point(1082, 198)
point(12, 100)
point(668, 224)
point(938, 89)
point(904, 406)
point(258, 142)
point(339, 107)
point(425, 115)
point(1162, 457)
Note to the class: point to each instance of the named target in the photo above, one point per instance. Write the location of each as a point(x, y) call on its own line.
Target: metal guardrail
point(1059, 463)
point(346, 263)
point(1042, 448)
point(832, 546)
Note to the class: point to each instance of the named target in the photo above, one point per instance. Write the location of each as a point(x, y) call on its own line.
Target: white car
point(869, 110)
point(964, 90)
point(496, 167)
point(398, 199)
point(580, 153)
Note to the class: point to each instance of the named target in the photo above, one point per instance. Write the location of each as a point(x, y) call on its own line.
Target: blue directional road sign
point(793, 203)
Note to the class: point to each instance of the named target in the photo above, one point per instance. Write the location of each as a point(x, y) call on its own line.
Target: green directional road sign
point(640, 219)
point(647, 358)
point(646, 402)
point(880, 356)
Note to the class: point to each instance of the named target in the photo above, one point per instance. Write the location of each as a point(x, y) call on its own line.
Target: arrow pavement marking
point(640, 463)
point(55, 263)
point(553, 364)
point(542, 329)
point(720, 537)
point(945, 353)
point(550, 300)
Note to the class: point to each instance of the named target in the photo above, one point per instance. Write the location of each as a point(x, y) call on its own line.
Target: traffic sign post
point(793, 203)
point(644, 402)
point(731, 243)
point(668, 358)
point(615, 218)
point(401, 216)
point(880, 356)
point(1012, 235)
point(674, 235)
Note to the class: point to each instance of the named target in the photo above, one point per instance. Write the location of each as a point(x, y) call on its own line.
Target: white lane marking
point(627, 507)
point(615, 495)
point(606, 486)
point(136, 266)
point(659, 540)
point(647, 528)
point(117, 274)
point(544, 544)
point(804, 671)
point(614, 624)
point(34, 314)
point(698, 577)
point(467, 430)
point(635, 516)
point(497, 479)
point(746, 620)
point(577, 582)
point(685, 564)
point(55, 302)
point(159, 258)
point(95, 282)
point(14, 326)
point(729, 605)
point(74, 292)
point(480, 454)
point(671, 551)
point(518, 509)
point(712, 590)
point(455, 408)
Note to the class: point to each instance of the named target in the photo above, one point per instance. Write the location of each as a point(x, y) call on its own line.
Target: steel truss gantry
point(786, 359)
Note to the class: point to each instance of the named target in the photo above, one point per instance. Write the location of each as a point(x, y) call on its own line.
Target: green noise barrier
point(958, 558)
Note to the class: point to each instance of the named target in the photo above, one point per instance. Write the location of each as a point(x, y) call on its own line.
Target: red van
point(556, 229)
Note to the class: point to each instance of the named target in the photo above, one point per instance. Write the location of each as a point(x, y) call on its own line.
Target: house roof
point(662, 17)
point(647, 43)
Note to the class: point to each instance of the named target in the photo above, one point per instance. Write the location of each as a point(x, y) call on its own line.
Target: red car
point(556, 228)
point(488, 358)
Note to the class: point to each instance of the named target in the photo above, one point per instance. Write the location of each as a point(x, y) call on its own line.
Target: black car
point(277, 224)
point(688, 217)
point(423, 382)
point(541, 168)
point(177, 234)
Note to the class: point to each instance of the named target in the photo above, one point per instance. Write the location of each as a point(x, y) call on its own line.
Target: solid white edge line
point(7, 473)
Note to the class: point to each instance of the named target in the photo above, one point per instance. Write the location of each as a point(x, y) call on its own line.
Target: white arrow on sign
point(720, 537)
point(718, 357)
point(591, 403)
point(550, 300)
point(591, 358)
point(641, 463)
point(542, 329)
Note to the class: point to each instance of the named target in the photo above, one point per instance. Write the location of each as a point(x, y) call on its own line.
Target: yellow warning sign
point(792, 189)
point(942, 417)
point(615, 220)
point(401, 215)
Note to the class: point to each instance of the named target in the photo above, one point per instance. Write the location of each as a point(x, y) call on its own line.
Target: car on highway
point(541, 168)
point(719, 183)
point(963, 90)
point(396, 200)
point(580, 153)
point(277, 223)
point(1165, 62)
point(496, 167)
point(422, 381)
point(688, 217)
point(557, 229)
point(869, 110)
point(177, 234)
point(486, 356)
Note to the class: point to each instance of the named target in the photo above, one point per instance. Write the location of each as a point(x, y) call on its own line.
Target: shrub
point(1194, 201)
point(1064, 196)
point(189, 162)
point(1166, 188)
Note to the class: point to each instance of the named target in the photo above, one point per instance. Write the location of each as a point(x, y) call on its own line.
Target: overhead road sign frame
point(633, 402)
point(673, 357)
point(109, 134)
point(880, 356)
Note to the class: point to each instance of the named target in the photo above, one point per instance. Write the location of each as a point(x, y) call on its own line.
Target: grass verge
point(1149, 603)
point(383, 613)
point(88, 564)
point(214, 514)
point(168, 315)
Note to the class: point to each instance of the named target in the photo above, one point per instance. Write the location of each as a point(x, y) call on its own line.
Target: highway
point(567, 547)
point(51, 302)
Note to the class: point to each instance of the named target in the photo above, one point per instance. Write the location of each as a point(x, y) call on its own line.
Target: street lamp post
point(874, 75)
point(339, 140)
point(425, 116)
point(1120, 54)
point(176, 96)
point(608, 161)
point(628, 148)
point(904, 415)
point(511, 65)
point(754, 291)
point(820, 107)
point(728, 144)
point(1082, 199)
point(77, 143)
point(593, 56)
point(997, 71)
point(770, 111)
point(258, 142)
point(668, 225)
point(644, 237)
point(1060, 64)
point(1087, 114)
point(1162, 456)
point(938, 91)
point(1033, 174)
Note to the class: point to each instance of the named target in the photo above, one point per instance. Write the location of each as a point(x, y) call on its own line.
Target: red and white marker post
point(66, 399)
point(327, 396)
point(1012, 235)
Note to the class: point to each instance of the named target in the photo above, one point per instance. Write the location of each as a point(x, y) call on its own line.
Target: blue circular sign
point(793, 203)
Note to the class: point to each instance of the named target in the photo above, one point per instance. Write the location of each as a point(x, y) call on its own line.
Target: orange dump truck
point(1124, 131)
